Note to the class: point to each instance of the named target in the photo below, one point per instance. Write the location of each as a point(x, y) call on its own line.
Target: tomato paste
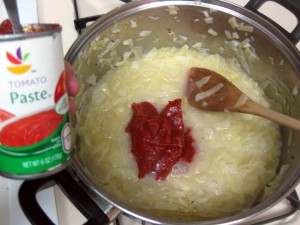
point(6, 27)
point(159, 140)
point(35, 132)
point(30, 130)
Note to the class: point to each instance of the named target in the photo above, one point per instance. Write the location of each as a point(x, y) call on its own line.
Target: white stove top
point(52, 200)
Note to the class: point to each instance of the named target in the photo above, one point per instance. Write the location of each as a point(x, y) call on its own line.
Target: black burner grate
point(81, 23)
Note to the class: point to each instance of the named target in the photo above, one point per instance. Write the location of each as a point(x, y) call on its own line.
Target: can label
point(35, 134)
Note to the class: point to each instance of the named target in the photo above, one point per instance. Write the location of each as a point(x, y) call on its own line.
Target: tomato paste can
point(35, 133)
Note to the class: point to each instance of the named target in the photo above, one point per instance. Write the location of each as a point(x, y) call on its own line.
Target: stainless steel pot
point(277, 71)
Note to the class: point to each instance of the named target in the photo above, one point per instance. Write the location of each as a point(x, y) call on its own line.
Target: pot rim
point(282, 41)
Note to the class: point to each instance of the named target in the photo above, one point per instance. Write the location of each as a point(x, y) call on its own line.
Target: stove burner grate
point(81, 23)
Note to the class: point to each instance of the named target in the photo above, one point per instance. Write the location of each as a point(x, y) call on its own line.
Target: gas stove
point(59, 208)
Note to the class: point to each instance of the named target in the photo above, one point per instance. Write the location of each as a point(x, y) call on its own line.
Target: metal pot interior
point(276, 71)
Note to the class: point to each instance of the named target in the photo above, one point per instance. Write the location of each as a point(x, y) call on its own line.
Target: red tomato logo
point(61, 88)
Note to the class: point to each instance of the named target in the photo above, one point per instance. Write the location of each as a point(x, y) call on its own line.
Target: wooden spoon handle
point(259, 110)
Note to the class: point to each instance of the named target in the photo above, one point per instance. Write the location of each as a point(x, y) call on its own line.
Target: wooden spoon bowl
point(210, 91)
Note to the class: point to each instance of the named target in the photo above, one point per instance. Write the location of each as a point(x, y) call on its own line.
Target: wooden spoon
point(208, 90)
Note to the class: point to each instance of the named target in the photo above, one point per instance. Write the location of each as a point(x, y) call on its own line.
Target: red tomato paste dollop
point(6, 27)
point(159, 140)
point(30, 130)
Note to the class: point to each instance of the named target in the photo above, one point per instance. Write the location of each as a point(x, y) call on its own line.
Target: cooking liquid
point(34, 122)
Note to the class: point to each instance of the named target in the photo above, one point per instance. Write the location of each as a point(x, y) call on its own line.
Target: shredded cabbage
point(237, 154)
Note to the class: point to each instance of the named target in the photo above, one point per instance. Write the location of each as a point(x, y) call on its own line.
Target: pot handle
point(292, 5)
point(81, 200)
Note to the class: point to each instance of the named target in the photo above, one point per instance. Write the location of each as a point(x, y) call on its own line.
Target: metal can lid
point(33, 31)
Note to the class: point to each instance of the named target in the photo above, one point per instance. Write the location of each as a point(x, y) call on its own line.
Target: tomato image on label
point(30, 130)
point(61, 88)
point(61, 96)
point(4, 115)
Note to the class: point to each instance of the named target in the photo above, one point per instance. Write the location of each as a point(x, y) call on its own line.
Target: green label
point(40, 157)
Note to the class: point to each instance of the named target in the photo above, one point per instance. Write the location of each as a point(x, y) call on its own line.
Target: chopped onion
point(233, 23)
point(206, 14)
point(203, 95)
point(242, 59)
point(222, 49)
point(241, 100)
point(154, 17)
point(91, 79)
point(113, 54)
point(247, 51)
point(240, 26)
point(253, 57)
point(197, 45)
point(212, 32)
point(133, 24)
point(295, 91)
point(145, 33)
point(251, 54)
point(109, 47)
point(128, 42)
point(234, 44)
point(235, 35)
point(245, 43)
point(245, 28)
point(137, 51)
point(172, 10)
point(201, 82)
point(281, 62)
point(115, 30)
point(208, 20)
point(182, 39)
point(228, 34)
